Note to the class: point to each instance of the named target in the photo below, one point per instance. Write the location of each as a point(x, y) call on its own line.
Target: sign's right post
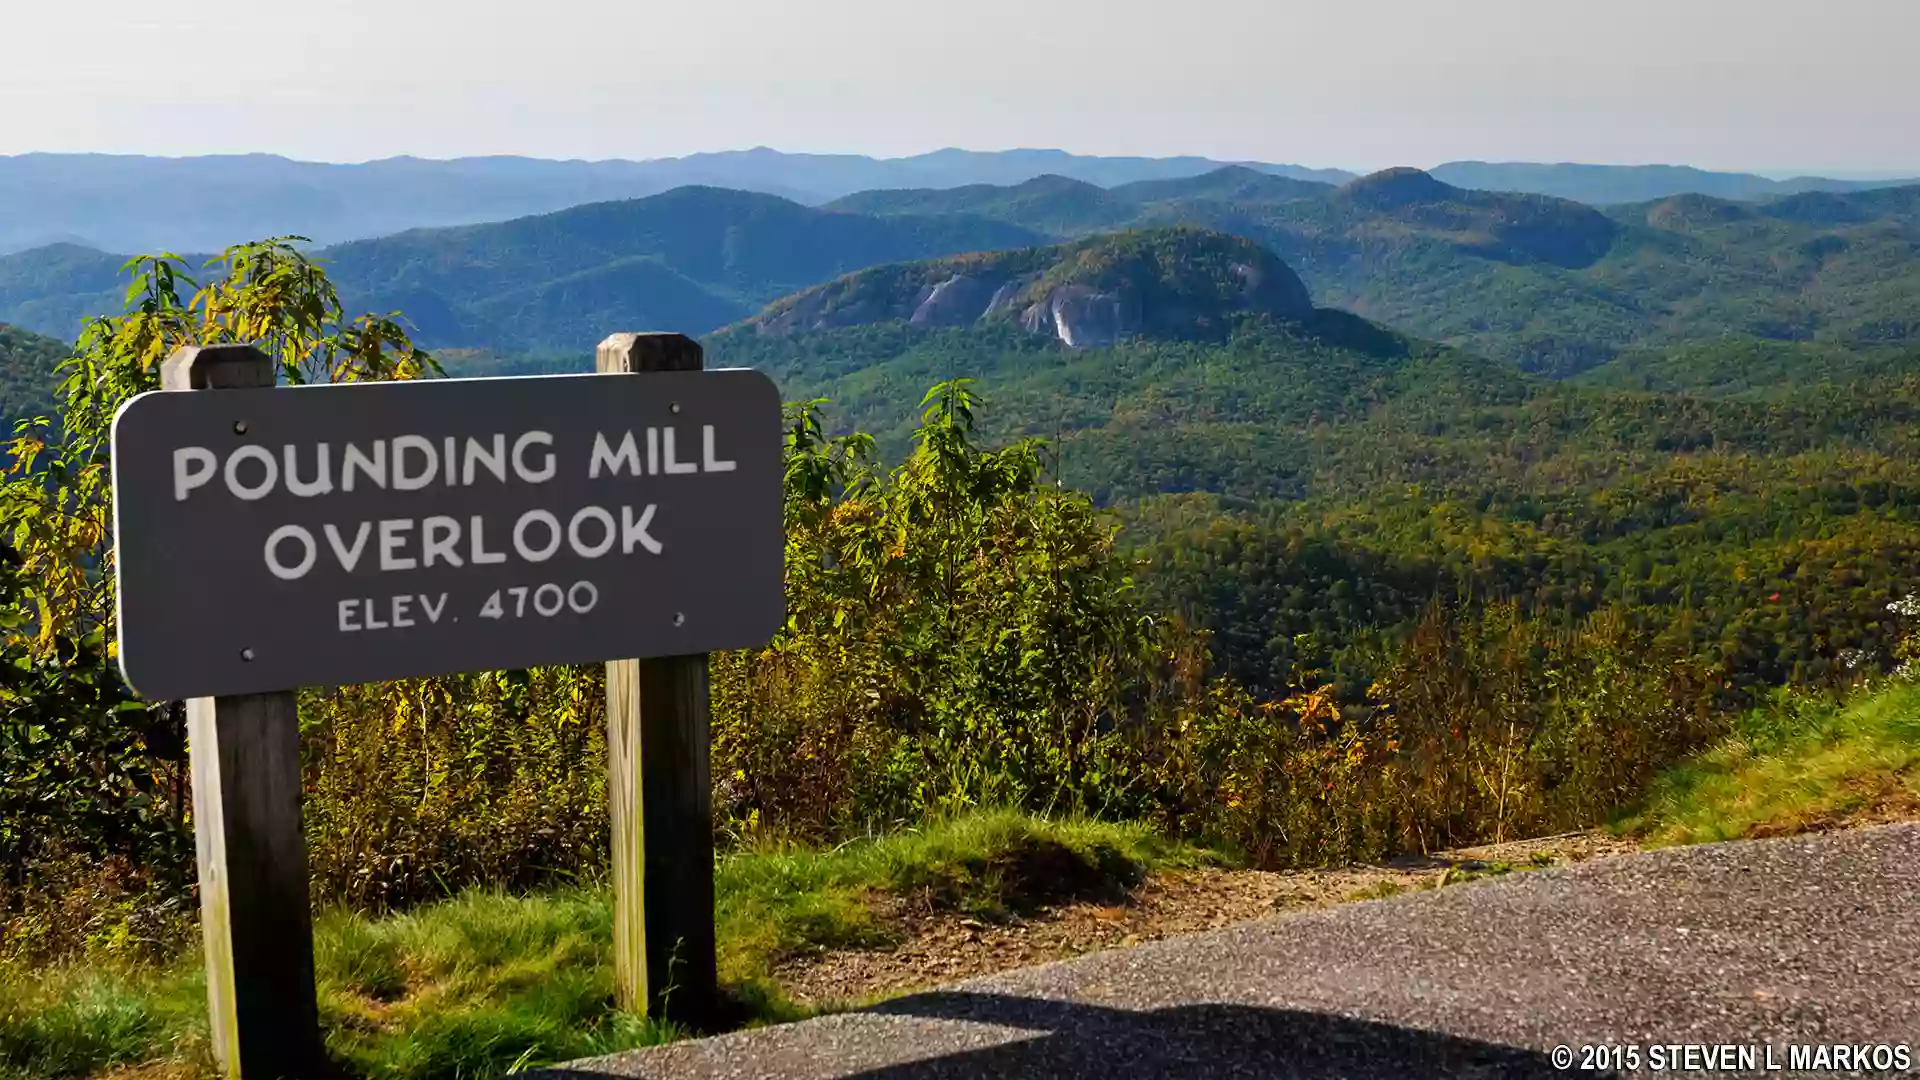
point(660, 792)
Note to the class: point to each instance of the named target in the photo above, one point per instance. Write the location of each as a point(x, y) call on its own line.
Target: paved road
point(1801, 940)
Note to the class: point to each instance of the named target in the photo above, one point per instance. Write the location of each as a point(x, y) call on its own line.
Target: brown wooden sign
point(279, 537)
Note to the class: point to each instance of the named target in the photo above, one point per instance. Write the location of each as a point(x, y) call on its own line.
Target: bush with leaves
point(962, 632)
point(92, 787)
point(421, 787)
point(1508, 726)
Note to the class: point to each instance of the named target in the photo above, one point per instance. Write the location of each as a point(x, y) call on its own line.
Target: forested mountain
point(1305, 481)
point(689, 260)
point(1167, 283)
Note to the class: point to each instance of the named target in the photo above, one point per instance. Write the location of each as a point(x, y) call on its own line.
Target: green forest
point(1304, 486)
point(1269, 580)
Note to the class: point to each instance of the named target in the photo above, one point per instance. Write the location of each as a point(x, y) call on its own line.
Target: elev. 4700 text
point(518, 601)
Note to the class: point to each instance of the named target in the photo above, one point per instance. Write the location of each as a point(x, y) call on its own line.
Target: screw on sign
point(377, 531)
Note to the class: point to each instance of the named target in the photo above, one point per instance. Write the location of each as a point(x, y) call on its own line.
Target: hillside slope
point(1303, 471)
point(688, 260)
point(1552, 285)
point(27, 379)
point(52, 290)
point(1800, 763)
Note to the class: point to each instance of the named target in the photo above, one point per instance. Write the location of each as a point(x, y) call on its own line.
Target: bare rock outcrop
point(957, 301)
point(1082, 317)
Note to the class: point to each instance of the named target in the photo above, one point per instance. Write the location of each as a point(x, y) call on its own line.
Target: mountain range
point(1551, 285)
point(691, 259)
point(132, 203)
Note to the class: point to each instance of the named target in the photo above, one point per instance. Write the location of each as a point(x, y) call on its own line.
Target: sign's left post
point(254, 912)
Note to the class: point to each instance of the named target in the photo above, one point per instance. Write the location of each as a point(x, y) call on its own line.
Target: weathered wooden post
point(245, 753)
point(271, 538)
point(660, 791)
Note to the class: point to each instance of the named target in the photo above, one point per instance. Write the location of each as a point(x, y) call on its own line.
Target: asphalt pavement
point(1754, 946)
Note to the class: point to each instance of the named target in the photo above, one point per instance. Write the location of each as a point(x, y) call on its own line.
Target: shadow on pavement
point(1075, 1040)
point(1070, 1041)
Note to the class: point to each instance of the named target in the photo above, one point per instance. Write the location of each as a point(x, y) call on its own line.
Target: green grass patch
point(1799, 764)
point(485, 984)
point(774, 903)
point(85, 1017)
point(474, 986)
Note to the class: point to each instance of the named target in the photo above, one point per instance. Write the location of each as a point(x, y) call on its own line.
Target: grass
point(77, 1018)
point(777, 902)
point(1800, 764)
point(473, 986)
point(486, 984)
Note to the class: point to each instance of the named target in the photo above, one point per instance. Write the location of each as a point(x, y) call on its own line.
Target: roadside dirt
point(941, 947)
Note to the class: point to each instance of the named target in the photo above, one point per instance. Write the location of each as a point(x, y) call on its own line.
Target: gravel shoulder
point(938, 947)
point(1810, 939)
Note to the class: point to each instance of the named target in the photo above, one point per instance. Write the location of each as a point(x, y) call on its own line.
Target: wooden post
point(660, 792)
point(254, 914)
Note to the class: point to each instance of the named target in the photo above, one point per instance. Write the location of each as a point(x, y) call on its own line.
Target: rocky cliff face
point(1165, 283)
point(1081, 317)
point(960, 299)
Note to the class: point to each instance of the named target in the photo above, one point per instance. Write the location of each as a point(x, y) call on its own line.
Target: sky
point(1777, 86)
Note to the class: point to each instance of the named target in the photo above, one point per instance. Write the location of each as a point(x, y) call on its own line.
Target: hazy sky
point(1772, 85)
